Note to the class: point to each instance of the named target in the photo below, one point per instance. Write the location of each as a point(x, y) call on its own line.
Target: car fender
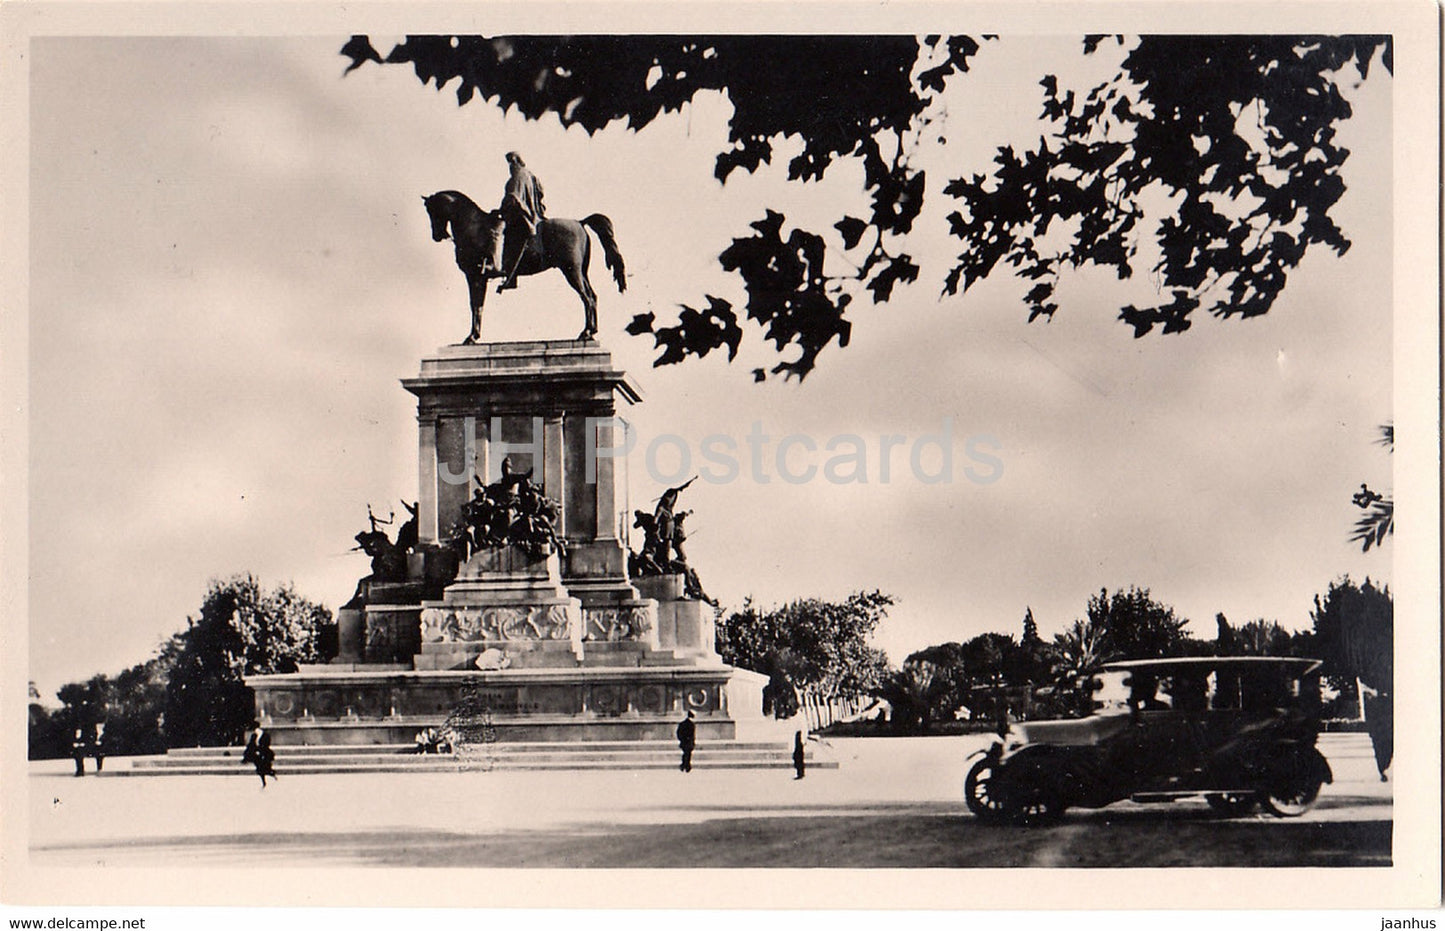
point(1041, 766)
point(1293, 758)
point(1319, 765)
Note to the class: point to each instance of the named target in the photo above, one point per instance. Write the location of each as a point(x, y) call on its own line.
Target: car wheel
point(1293, 800)
point(1035, 805)
point(1232, 804)
point(1040, 808)
point(976, 792)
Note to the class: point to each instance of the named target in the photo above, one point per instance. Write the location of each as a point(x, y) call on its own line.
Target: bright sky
point(231, 270)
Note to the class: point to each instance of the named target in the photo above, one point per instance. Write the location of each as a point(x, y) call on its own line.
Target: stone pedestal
point(506, 601)
point(351, 635)
point(684, 625)
point(551, 407)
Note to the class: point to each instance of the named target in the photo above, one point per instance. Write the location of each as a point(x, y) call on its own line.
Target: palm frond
point(1377, 524)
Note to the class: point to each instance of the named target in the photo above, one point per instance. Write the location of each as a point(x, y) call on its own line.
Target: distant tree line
point(191, 693)
point(816, 649)
point(815, 653)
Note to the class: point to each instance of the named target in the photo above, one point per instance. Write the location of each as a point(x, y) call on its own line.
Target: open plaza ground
point(893, 802)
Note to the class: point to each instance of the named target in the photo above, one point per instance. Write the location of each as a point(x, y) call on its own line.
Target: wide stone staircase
point(402, 758)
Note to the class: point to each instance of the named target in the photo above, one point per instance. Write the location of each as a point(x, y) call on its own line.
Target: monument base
point(324, 705)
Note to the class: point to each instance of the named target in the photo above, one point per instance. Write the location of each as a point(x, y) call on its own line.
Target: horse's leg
point(477, 286)
point(576, 275)
point(576, 272)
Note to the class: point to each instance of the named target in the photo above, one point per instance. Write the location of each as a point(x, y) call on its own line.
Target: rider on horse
point(522, 209)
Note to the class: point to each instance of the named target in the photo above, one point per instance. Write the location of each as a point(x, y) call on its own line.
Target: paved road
point(892, 803)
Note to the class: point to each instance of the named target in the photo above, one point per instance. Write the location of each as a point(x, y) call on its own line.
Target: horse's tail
point(602, 226)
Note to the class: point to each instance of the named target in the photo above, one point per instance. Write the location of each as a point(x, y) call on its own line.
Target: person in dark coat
point(259, 753)
point(800, 755)
point(77, 750)
point(687, 739)
point(97, 748)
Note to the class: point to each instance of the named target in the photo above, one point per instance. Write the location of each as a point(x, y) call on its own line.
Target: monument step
point(450, 765)
point(551, 754)
point(415, 763)
point(226, 761)
point(183, 755)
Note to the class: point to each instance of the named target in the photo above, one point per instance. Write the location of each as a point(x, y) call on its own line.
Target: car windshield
point(1195, 689)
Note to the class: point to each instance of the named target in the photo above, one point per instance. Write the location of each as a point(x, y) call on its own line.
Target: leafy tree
point(989, 658)
point(48, 734)
point(242, 630)
point(1078, 653)
point(1355, 632)
point(136, 703)
point(949, 676)
point(808, 644)
point(1237, 132)
point(1378, 521)
point(919, 692)
point(1033, 660)
point(1080, 650)
point(1264, 638)
point(1136, 626)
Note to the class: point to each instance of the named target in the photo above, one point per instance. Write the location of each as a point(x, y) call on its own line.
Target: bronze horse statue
point(561, 244)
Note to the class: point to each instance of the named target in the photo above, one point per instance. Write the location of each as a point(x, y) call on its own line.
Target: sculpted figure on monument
point(510, 512)
point(518, 240)
point(662, 546)
point(522, 209)
point(388, 558)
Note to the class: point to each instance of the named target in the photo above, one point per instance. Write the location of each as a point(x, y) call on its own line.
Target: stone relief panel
point(651, 699)
point(380, 640)
point(467, 624)
point(614, 624)
point(282, 705)
point(438, 625)
point(606, 699)
point(700, 698)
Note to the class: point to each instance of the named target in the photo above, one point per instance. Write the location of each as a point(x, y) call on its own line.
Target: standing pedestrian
point(800, 755)
point(77, 750)
point(97, 750)
point(686, 739)
point(259, 753)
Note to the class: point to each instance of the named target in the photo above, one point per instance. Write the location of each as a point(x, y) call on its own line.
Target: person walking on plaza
point(77, 750)
point(800, 755)
point(686, 739)
point(259, 753)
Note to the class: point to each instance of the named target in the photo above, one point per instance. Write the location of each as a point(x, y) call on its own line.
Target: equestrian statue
point(519, 239)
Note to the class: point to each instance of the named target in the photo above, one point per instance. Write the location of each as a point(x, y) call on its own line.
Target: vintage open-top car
point(1239, 731)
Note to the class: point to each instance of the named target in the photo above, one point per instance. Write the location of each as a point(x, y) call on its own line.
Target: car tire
point(1232, 804)
point(1040, 807)
point(976, 792)
point(1293, 800)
